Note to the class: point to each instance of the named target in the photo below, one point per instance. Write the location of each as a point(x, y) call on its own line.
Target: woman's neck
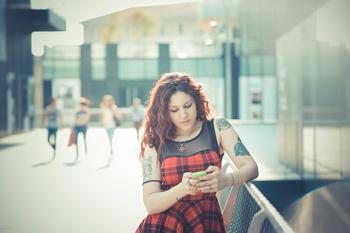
point(188, 134)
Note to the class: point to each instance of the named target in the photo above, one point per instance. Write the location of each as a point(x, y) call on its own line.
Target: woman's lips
point(185, 122)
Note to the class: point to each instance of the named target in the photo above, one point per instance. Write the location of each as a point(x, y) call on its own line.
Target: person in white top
point(109, 118)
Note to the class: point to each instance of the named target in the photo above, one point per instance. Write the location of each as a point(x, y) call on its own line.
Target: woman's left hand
point(214, 181)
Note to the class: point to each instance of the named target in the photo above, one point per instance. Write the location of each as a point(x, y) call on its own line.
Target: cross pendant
point(182, 148)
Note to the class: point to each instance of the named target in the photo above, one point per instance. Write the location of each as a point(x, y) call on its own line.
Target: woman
point(182, 137)
point(108, 118)
point(82, 118)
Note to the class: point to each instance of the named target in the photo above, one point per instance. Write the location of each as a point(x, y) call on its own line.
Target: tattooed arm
point(229, 140)
point(156, 200)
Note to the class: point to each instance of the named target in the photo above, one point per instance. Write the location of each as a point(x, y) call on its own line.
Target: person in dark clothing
point(82, 118)
point(53, 121)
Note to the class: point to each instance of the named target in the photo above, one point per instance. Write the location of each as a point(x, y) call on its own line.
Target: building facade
point(17, 22)
point(281, 61)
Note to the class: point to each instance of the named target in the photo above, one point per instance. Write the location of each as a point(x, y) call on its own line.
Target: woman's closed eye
point(176, 109)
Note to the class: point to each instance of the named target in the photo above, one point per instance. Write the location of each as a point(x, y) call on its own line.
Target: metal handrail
point(267, 212)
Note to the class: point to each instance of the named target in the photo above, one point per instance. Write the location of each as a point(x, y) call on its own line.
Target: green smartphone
point(195, 175)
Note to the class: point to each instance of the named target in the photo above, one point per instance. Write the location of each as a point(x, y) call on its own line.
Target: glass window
point(194, 49)
point(61, 69)
point(138, 69)
point(244, 65)
point(60, 52)
point(206, 67)
point(268, 65)
point(151, 69)
point(2, 32)
point(98, 67)
point(210, 68)
point(254, 65)
point(185, 65)
point(138, 50)
point(310, 67)
point(98, 50)
point(48, 69)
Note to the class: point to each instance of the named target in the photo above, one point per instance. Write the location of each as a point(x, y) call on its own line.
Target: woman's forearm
point(160, 201)
point(248, 171)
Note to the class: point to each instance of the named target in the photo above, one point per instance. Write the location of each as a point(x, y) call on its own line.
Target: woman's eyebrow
point(188, 101)
point(183, 104)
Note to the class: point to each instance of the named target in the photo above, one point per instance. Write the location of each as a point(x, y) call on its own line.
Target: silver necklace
point(182, 148)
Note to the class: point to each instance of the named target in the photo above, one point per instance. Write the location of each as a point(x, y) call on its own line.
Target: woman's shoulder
point(150, 150)
point(219, 119)
point(220, 123)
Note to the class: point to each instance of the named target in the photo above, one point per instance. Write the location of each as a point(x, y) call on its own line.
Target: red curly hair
point(158, 126)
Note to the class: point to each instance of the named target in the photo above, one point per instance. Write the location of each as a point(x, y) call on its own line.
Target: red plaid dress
point(193, 213)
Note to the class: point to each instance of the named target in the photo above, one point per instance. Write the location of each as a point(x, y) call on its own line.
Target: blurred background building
point(282, 62)
point(17, 82)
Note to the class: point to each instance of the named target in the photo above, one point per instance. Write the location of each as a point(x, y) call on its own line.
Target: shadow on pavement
point(71, 164)
point(7, 145)
point(45, 163)
point(107, 165)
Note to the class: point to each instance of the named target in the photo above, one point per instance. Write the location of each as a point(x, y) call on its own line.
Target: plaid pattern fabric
point(196, 213)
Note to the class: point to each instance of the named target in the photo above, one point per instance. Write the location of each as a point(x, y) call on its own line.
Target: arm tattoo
point(223, 124)
point(239, 148)
point(147, 168)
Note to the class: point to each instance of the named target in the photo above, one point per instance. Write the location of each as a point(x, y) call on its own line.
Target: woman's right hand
point(188, 184)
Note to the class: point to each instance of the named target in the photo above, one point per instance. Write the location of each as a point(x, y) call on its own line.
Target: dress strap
point(213, 136)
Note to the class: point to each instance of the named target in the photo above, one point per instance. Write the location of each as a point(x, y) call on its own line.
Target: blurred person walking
point(52, 119)
point(82, 118)
point(109, 118)
point(138, 114)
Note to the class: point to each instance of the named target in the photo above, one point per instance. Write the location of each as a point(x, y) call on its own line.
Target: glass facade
point(2, 32)
point(98, 61)
point(137, 69)
point(199, 67)
point(257, 87)
point(293, 70)
point(294, 60)
point(138, 50)
point(61, 62)
point(313, 60)
point(207, 71)
point(61, 68)
point(195, 49)
point(98, 69)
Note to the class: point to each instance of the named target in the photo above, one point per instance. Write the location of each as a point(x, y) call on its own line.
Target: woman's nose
point(183, 113)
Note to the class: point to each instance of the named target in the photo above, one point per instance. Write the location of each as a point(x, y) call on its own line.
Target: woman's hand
point(189, 185)
point(214, 181)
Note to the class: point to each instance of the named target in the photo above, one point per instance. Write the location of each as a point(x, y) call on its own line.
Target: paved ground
point(64, 197)
point(42, 196)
